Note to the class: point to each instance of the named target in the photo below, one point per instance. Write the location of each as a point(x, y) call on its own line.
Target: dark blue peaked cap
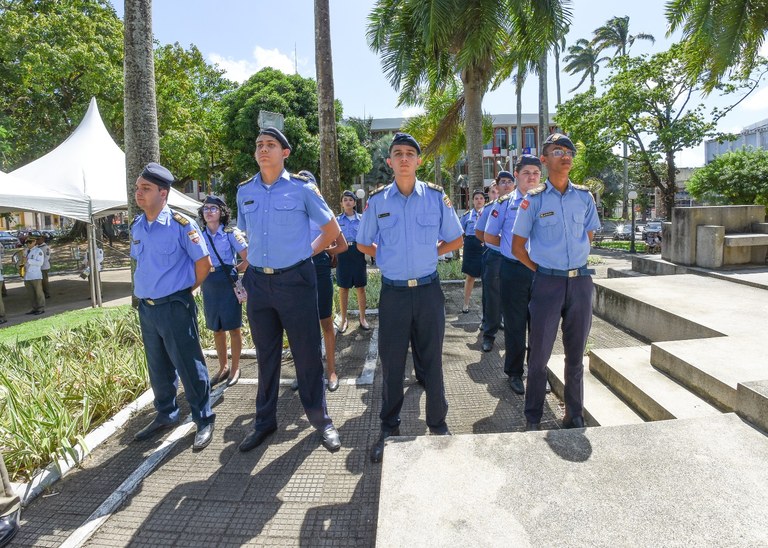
point(277, 134)
point(405, 139)
point(155, 173)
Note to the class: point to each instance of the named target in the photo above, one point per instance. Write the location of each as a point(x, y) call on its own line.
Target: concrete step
point(696, 482)
point(623, 273)
point(601, 406)
point(713, 368)
point(651, 393)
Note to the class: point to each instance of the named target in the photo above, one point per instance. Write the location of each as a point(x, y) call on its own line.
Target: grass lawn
point(42, 327)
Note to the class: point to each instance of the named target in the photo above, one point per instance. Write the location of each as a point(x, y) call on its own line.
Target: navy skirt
point(350, 272)
point(222, 311)
point(322, 263)
point(472, 265)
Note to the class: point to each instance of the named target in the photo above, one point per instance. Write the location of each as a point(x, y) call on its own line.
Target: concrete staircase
point(706, 354)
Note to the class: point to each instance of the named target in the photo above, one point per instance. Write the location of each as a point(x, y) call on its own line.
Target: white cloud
point(412, 111)
point(240, 70)
point(757, 100)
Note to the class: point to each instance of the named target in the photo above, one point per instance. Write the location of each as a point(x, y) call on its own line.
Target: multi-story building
point(755, 135)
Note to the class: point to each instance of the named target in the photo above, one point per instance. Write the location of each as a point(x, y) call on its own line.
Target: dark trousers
point(286, 301)
point(172, 344)
point(553, 298)
point(491, 293)
point(516, 281)
point(414, 315)
point(46, 287)
point(9, 502)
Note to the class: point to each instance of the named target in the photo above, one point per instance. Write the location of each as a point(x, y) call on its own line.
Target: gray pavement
point(289, 491)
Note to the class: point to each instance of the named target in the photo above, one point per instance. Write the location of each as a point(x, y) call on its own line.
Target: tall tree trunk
point(329, 156)
point(557, 72)
point(519, 82)
point(474, 89)
point(142, 142)
point(625, 185)
point(543, 102)
point(671, 188)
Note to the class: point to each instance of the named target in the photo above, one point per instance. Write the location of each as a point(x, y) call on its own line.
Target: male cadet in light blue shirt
point(492, 313)
point(406, 225)
point(274, 210)
point(171, 261)
point(557, 221)
point(516, 278)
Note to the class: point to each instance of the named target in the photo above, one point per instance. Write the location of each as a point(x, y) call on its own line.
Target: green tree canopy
point(734, 178)
point(54, 57)
point(295, 98)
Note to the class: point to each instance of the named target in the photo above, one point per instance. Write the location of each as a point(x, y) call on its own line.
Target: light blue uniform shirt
point(469, 220)
point(276, 219)
point(408, 229)
point(227, 243)
point(349, 227)
point(483, 221)
point(165, 252)
point(556, 226)
point(502, 219)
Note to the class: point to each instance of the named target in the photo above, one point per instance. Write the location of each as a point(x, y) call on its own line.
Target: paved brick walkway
point(290, 491)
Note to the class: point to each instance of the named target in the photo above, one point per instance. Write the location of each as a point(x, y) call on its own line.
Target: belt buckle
point(150, 302)
point(573, 273)
point(268, 270)
point(213, 269)
point(413, 283)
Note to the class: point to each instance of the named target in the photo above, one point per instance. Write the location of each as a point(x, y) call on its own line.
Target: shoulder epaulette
point(181, 219)
point(228, 229)
point(377, 190)
point(538, 190)
point(580, 187)
point(433, 186)
point(300, 177)
point(504, 198)
point(245, 182)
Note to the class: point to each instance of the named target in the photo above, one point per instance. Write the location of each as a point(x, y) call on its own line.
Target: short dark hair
point(477, 191)
point(223, 218)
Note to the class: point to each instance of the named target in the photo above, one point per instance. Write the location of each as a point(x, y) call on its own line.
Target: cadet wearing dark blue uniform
point(351, 270)
point(274, 210)
point(557, 220)
point(171, 261)
point(406, 225)
point(472, 264)
point(492, 315)
point(516, 278)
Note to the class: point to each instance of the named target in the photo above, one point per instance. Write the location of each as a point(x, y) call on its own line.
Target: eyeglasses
point(559, 153)
point(210, 209)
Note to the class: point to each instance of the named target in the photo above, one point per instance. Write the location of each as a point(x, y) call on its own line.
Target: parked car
point(8, 240)
point(622, 232)
point(652, 226)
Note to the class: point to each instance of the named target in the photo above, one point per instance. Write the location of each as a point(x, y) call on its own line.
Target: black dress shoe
point(153, 427)
point(254, 439)
point(331, 439)
point(3, 320)
point(333, 385)
point(516, 384)
point(532, 426)
point(38, 312)
point(232, 380)
point(440, 431)
point(575, 422)
point(9, 526)
point(203, 437)
point(220, 376)
point(295, 385)
point(487, 345)
point(377, 451)
point(30, 312)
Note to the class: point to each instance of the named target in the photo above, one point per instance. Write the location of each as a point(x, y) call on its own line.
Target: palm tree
point(424, 44)
point(142, 141)
point(329, 157)
point(583, 57)
point(615, 34)
point(719, 35)
point(556, 51)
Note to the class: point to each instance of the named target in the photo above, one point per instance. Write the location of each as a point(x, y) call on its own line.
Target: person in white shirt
point(33, 276)
point(46, 263)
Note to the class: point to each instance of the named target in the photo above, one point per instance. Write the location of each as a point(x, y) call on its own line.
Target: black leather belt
point(268, 270)
point(510, 259)
point(573, 273)
point(410, 283)
point(167, 299)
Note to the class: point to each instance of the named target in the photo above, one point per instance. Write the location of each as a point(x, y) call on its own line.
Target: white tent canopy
point(83, 178)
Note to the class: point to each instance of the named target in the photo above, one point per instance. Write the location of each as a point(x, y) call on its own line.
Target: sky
point(244, 36)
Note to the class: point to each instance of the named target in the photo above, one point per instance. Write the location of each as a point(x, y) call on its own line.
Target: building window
point(529, 137)
point(488, 168)
point(488, 145)
point(500, 137)
point(513, 140)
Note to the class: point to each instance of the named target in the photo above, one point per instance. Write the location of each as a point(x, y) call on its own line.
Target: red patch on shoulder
point(366, 206)
point(524, 204)
point(495, 213)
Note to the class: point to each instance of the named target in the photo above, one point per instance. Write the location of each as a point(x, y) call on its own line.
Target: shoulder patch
point(580, 187)
point(300, 177)
point(228, 229)
point(447, 201)
point(504, 198)
point(433, 186)
point(377, 190)
point(313, 188)
point(538, 190)
point(181, 219)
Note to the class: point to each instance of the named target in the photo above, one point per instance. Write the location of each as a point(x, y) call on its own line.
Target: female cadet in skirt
point(223, 312)
point(472, 265)
point(351, 272)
